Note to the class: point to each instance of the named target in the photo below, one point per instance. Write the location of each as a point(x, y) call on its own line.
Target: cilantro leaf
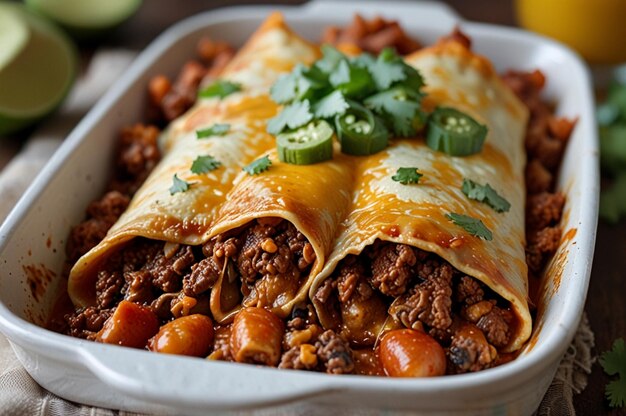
point(399, 108)
point(219, 88)
point(485, 194)
point(473, 226)
point(178, 185)
point(352, 80)
point(217, 129)
point(331, 105)
point(293, 116)
point(614, 362)
point(387, 69)
point(204, 164)
point(258, 166)
point(300, 83)
point(330, 59)
point(407, 175)
point(616, 392)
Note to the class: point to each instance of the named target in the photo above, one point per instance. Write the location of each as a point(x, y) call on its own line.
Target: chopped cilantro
point(293, 116)
point(614, 362)
point(399, 109)
point(330, 59)
point(407, 175)
point(485, 194)
point(258, 166)
point(473, 226)
point(219, 88)
point(354, 81)
point(217, 129)
point(385, 84)
point(299, 84)
point(178, 185)
point(387, 69)
point(331, 105)
point(204, 164)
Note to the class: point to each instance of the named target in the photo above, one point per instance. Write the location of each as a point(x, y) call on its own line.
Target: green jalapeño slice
point(309, 144)
point(453, 132)
point(360, 132)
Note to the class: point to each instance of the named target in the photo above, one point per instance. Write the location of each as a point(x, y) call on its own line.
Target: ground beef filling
point(423, 292)
point(168, 276)
point(270, 256)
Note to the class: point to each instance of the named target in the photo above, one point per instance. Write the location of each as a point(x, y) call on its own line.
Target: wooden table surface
point(605, 307)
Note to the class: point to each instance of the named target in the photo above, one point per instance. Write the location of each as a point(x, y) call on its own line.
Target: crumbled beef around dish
point(428, 302)
point(458, 36)
point(168, 100)
point(138, 153)
point(101, 215)
point(469, 350)
point(86, 322)
point(371, 35)
point(546, 138)
point(334, 353)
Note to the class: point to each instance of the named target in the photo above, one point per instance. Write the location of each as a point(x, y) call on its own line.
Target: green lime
point(86, 18)
point(37, 67)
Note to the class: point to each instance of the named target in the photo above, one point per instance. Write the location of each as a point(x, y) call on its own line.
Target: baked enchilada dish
point(365, 205)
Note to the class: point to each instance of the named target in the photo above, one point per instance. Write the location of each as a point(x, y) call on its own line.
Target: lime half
point(86, 18)
point(37, 67)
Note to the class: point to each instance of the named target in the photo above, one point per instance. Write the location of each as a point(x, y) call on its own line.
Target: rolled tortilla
point(314, 198)
point(415, 214)
point(188, 217)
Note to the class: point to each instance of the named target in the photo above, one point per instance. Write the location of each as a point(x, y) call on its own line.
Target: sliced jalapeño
point(309, 144)
point(453, 132)
point(360, 132)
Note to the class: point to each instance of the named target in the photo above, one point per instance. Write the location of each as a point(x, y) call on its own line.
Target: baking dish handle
point(164, 379)
point(430, 11)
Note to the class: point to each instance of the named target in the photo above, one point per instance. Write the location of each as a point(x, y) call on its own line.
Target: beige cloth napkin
point(20, 394)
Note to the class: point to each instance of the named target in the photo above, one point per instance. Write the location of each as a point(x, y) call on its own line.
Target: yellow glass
point(595, 28)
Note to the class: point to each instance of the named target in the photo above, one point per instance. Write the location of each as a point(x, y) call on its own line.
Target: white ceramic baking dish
point(34, 235)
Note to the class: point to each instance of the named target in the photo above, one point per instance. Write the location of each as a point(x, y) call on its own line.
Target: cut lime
point(14, 35)
point(86, 18)
point(37, 74)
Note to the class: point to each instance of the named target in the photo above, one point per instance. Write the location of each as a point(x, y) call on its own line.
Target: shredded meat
point(334, 353)
point(86, 322)
point(371, 35)
point(293, 358)
point(430, 301)
point(538, 178)
point(392, 268)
